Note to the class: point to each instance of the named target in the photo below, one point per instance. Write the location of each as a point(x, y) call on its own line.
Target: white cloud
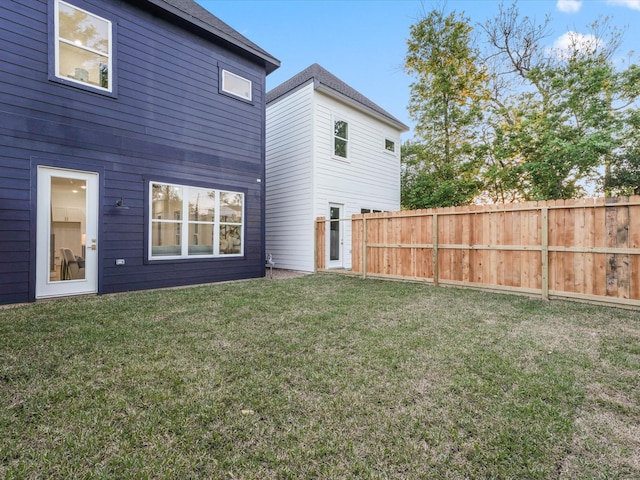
point(575, 42)
point(569, 6)
point(632, 4)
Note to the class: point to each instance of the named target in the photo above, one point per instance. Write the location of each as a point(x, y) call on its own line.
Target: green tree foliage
point(563, 123)
point(524, 121)
point(442, 168)
point(569, 128)
point(427, 185)
point(624, 177)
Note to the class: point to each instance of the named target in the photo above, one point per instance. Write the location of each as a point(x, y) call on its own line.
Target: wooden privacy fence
point(585, 249)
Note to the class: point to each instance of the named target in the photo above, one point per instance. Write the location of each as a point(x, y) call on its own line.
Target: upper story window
point(236, 85)
point(83, 47)
point(188, 221)
point(389, 145)
point(340, 138)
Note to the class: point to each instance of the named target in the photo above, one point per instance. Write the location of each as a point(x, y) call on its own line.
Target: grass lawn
point(318, 377)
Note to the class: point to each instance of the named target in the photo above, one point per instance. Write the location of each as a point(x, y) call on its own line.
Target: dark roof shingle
point(194, 13)
point(323, 78)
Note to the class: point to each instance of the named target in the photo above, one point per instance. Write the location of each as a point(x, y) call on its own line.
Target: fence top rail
point(490, 209)
point(328, 220)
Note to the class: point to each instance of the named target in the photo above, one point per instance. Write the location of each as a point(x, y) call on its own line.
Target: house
point(132, 148)
point(331, 152)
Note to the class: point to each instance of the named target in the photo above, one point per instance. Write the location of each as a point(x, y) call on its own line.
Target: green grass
point(318, 377)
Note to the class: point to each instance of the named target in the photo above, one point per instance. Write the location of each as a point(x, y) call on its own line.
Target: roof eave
point(270, 63)
point(359, 106)
point(288, 92)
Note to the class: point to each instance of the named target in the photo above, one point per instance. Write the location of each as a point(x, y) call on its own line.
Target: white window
point(340, 138)
point(193, 221)
point(83, 47)
point(236, 85)
point(389, 145)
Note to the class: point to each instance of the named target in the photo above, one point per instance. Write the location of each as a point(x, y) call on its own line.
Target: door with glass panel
point(335, 236)
point(67, 232)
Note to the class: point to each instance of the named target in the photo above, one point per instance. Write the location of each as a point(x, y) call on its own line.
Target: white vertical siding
point(303, 177)
point(368, 178)
point(289, 180)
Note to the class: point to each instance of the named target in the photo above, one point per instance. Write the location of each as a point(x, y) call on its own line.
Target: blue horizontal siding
point(10, 267)
point(14, 215)
point(168, 121)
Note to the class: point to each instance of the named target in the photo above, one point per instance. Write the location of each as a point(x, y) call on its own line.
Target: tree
point(562, 122)
point(441, 167)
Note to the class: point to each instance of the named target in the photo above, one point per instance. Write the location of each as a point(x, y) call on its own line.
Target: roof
point(327, 82)
point(192, 12)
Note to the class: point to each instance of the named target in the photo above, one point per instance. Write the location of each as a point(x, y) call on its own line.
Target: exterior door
point(336, 233)
point(67, 233)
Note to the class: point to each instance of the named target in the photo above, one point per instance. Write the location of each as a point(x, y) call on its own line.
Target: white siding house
point(330, 152)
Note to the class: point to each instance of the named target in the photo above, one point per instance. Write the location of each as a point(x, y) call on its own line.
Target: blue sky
point(363, 42)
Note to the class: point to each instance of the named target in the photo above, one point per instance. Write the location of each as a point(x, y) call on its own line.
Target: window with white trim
point(236, 85)
point(187, 221)
point(389, 145)
point(340, 138)
point(83, 47)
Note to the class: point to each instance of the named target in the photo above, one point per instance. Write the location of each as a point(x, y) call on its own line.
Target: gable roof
point(325, 81)
point(193, 13)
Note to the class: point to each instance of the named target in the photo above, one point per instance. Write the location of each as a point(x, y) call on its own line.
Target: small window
point(340, 138)
point(191, 221)
point(389, 145)
point(236, 85)
point(83, 47)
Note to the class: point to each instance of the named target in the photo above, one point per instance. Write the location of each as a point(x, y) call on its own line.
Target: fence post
point(315, 246)
point(435, 249)
point(545, 253)
point(364, 247)
point(319, 244)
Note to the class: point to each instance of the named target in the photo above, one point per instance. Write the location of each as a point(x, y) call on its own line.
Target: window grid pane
point(230, 239)
point(201, 204)
point(390, 145)
point(236, 85)
point(200, 238)
point(231, 207)
point(340, 149)
point(165, 238)
point(166, 202)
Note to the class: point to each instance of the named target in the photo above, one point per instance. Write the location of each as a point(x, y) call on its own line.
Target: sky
point(364, 42)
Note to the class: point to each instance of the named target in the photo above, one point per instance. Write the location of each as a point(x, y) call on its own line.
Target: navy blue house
point(132, 147)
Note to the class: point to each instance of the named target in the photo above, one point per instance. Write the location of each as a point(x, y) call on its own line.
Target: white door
point(336, 236)
point(66, 233)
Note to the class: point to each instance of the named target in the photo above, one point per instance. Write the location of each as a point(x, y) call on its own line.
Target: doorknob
point(93, 244)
